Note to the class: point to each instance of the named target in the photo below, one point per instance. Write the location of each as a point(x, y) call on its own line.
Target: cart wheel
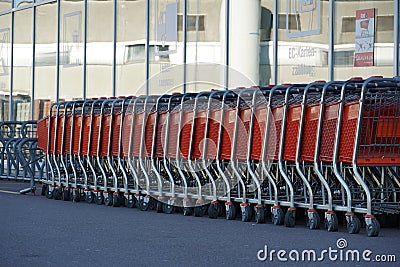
point(278, 217)
point(199, 211)
point(143, 206)
point(332, 223)
point(373, 228)
point(76, 197)
point(116, 200)
point(49, 194)
point(159, 207)
point(260, 215)
point(152, 204)
point(66, 195)
point(187, 211)
point(168, 209)
point(44, 188)
point(89, 198)
point(213, 211)
point(290, 218)
point(57, 193)
point(354, 225)
point(108, 200)
point(313, 220)
point(131, 202)
point(230, 211)
point(99, 199)
point(246, 213)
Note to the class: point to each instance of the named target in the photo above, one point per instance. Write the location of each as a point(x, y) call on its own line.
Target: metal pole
point(227, 19)
point(396, 37)
point(275, 43)
point(33, 62)
point(10, 107)
point(146, 48)
point(185, 12)
point(58, 50)
point(114, 70)
point(331, 51)
point(85, 12)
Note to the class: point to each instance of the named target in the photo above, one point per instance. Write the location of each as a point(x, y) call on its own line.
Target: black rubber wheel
point(247, 214)
point(373, 228)
point(108, 200)
point(290, 218)
point(99, 199)
point(89, 197)
point(199, 211)
point(278, 217)
point(143, 206)
point(260, 215)
point(213, 211)
point(160, 207)
point(332, 225)
point(152, 204)
point(57, 193)
point(168, 209)
point(230, 212)
point(44, 189)
point(187, 211)
point(313, 221)
point(354, 226)
point(66, 195)
point(131, 202)
point(76, 197)
point(116, 200)
point(49, 194)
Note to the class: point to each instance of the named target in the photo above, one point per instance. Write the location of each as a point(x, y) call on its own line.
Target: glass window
point(5, 62)
point(5, 5)
point(71, 50)
point(45, 59)
point(363, 39)
point(22, 64)
point(303, 41)
point(99, 50)
point(131, 41)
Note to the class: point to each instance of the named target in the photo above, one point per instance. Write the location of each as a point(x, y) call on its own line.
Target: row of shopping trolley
point(323, 147)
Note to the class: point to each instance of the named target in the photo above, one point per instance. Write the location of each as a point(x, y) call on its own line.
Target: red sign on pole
point(365, 38)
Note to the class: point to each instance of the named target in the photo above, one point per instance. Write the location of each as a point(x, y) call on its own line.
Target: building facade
point(77, 49)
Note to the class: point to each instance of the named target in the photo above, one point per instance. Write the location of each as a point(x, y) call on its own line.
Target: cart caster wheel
point(159, 207)
point(168, 209)
point(199, 211)
point(313, 220)
point(152, 204)
point(44, 188)
point(260, 214)
point(131, 202)
point(76, 197)
point(187, 211)
point(66, 195)
point(49, 194)
point(116, 200)
point(331, 222)
point(230, 211)
point(246, 213)
point(290, 218)
point(143, 206)
point(108, 200)
point(99, 199)
point(213, 210)
point(372, 226)
point(353, 225)
point(57, 194)
point(89, 197)
point(278, 217)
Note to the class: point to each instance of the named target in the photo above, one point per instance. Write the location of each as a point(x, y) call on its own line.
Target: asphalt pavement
point(35, 231)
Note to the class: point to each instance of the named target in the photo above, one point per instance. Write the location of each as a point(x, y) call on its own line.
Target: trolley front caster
point(372, 225)
point(57, 193)
point(188, 211)
point(66, 195)
point(168, 208)
point(331, 221)
point(49, 192)
point(144, 203)
point(44, 189)
point(76, 196)
point(108, 199)
point(260, 214)
point(99, 197)
point(246, 212)
point(278, 217)
point(89, 196)
point(230, 211)
point(116, 199)
point(313, 219)
point(214, 210)
point(130, 201)
point(160, 207)
point(199, 209)
point(290, 217)
point(353, 223)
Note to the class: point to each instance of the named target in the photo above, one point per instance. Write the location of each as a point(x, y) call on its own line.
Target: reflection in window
point(136, 53)
point(194, 22)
